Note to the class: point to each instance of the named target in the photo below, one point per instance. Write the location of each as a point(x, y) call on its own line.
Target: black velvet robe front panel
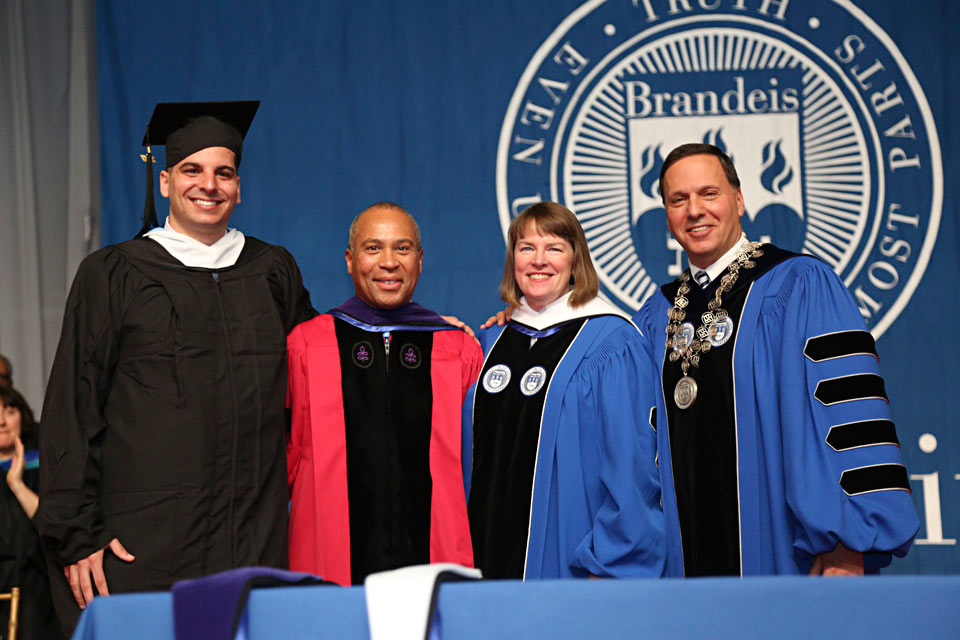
point(387, 410)
point(703, 438)
point(506, 432)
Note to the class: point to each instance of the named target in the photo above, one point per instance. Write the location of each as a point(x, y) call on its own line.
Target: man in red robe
point(375, 391)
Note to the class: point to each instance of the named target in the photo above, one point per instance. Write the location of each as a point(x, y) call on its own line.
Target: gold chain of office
point(689, 350)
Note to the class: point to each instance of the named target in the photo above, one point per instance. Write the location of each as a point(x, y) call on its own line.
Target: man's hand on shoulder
point(839, 562)
point(502, 318)
point(459, 324)
point(79, 574)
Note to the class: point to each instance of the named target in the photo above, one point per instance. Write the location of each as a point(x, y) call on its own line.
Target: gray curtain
point(49, 174)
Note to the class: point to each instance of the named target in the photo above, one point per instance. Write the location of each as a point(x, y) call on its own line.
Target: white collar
point(715, 269)
point(193, 253)
point(560, 311)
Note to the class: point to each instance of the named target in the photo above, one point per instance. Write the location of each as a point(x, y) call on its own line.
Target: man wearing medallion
point(777, 454)
point(376, 387)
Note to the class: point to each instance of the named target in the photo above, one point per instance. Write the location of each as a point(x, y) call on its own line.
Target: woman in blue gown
point(564, 480)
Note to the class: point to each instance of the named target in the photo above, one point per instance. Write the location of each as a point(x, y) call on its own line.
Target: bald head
point(385, 206)
point(384, 257)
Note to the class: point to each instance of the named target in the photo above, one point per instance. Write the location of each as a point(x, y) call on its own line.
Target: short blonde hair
point(552, 219)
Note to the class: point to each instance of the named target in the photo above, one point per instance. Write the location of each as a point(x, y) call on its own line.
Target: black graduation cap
point(187, 127)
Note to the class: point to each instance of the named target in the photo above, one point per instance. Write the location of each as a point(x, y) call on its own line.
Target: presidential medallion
point(685, 393)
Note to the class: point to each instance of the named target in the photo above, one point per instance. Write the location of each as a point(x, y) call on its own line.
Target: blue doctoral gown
point(792, 505)
point(595, 506)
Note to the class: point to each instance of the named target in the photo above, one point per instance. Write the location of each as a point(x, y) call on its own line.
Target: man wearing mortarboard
point(162, 455)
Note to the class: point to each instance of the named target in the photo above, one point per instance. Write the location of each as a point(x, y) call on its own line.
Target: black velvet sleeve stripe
point(878, 477)
point(860, 386)
point(840, 345)
point(865, 433)
point(653, 417)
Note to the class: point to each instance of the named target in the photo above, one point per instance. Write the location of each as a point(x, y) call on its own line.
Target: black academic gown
point(164, 415)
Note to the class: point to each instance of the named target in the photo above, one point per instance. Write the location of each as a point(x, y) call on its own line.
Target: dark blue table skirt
point(779, 608)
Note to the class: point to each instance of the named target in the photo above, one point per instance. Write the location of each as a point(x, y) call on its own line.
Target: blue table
point(781, 608)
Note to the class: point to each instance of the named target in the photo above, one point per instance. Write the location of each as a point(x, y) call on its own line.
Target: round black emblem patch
point(410, 356)
point(362, 354)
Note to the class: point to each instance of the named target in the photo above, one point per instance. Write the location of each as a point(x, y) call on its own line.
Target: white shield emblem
point(533, 380)
point(496, 378)
point(723, 333)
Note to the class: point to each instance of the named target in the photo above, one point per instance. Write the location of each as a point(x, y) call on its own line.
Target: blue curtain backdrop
point(837, 114)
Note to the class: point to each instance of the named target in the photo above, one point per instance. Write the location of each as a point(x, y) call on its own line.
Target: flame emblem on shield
point(776, 172)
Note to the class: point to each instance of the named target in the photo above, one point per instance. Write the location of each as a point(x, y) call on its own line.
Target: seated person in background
point(6, 372)
point(21, 560)
point(375, 390)
point(564, 458)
